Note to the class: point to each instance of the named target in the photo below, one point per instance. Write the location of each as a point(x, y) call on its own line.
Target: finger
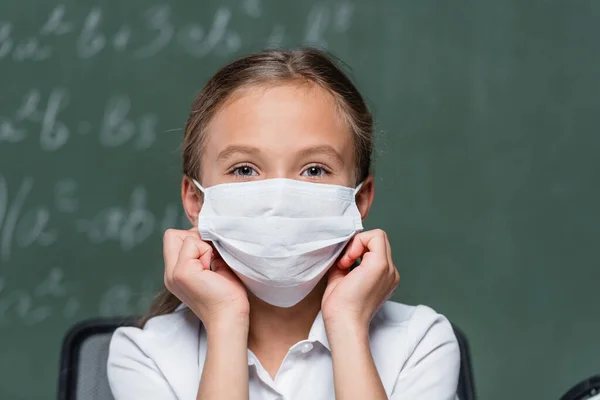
point(216, 259)
point(218, 263)
point(195, 249)
point(388, 249)
point(221, 268)
point(394, 273)
point(390, 262)
point(353, 251)
point(216, 254)
point(335, 275)
point(172, 242)
point(369, 241)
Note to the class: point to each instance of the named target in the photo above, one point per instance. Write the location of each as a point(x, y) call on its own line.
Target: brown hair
point(305, 65)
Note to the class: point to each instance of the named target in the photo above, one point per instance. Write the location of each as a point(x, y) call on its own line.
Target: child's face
point(285, 131)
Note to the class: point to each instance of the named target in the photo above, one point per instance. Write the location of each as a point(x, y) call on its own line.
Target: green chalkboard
point(487, 166)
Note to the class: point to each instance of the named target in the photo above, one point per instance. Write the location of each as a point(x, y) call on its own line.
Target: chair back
point(83, 359)
point(588, 389)
point(466, 383)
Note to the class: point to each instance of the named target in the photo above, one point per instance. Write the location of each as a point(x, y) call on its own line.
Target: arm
point(354, 372)
point(350, 301)
point(206, 284)
point(225, 372)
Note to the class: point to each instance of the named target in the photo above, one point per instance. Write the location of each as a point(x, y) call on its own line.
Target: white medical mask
point(279, 236)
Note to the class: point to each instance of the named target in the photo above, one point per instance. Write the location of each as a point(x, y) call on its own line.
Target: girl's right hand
point(214, 295)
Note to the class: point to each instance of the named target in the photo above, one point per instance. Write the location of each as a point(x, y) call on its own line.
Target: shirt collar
point(317, 331)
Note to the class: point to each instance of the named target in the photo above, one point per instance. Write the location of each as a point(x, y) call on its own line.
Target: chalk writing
point(125, 300)
point(155, 29)
point(37, 209)
point(30, 49)
point(342, 16)
point(318, 21)
point(90, 42)
point(57, 297)
point(322, 17)
point(252, 8)
point(28, 226)
point(65, 195)
point(56, 25)
point(6, 42)
point(219, 38)
point(275, 39)
point(23, 224)
point(131, 225)
point(34, 306)
point(116, 128)
point(122, 38)
point(157, 19)
point(53, 132)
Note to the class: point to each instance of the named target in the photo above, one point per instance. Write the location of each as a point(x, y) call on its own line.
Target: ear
point(191, 197)
point(364, 197)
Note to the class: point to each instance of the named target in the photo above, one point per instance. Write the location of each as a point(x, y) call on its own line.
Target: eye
point(314, 171)
point(244, 171)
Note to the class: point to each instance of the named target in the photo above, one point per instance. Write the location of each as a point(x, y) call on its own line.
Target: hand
point(212, 295)
point(355, 296)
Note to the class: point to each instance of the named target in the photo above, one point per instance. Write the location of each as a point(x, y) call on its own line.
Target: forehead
point(281, 117)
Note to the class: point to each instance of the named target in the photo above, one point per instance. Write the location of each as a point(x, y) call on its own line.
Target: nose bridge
point(281, 165)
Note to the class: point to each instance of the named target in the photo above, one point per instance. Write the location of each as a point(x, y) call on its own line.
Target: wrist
point(345, 321)
point(346, 330)
point(226, 324)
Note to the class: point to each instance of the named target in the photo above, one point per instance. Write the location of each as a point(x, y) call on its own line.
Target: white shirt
point(414, 349)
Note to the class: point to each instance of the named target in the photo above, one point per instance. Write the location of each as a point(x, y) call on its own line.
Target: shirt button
point(306, 347)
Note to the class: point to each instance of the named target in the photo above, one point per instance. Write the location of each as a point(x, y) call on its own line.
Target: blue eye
point(244, 170)
point(314, 171)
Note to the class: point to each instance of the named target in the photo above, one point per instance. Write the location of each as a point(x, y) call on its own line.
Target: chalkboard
point(487, 164)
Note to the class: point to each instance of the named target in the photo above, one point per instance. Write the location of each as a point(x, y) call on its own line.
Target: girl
point(263, 299)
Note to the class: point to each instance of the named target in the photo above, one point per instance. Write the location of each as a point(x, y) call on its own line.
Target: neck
point(272, 326)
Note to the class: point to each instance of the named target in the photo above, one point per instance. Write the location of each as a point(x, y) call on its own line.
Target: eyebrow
point(327, 150)
point(322, 149)
point(231, 150)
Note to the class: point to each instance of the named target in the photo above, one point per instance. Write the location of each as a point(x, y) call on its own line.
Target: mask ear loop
point(357, 189)
point(199, 186)
point(358, 260)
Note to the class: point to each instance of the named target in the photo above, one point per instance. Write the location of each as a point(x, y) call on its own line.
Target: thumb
point(220, 267)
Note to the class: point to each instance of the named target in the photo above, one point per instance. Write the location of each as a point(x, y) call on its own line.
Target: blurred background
point(487, 165)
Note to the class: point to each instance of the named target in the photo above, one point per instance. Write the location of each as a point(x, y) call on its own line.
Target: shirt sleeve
point(431, 372)
point(132, 375)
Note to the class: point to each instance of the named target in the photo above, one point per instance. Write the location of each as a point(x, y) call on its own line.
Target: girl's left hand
point(353, 297)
